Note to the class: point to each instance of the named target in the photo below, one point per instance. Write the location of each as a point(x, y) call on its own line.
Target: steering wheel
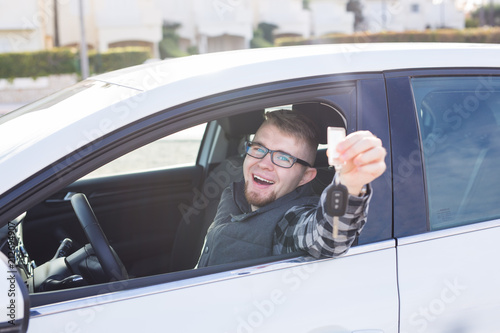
point(109, 260)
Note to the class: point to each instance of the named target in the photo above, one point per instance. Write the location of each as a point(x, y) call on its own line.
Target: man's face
point(265, 181)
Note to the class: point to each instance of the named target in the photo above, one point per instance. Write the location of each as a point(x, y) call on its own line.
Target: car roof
point(284, 63)
point(30, 138)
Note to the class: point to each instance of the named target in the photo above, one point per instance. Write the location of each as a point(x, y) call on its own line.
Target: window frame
point(411, 194)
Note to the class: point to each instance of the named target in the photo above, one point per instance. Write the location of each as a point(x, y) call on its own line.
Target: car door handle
point(66, 198)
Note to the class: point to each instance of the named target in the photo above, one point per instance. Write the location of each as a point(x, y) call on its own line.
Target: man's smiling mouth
point(262, 181)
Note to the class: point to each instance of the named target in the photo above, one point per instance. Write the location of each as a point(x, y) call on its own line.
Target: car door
point(356, 292)
point(445, 131)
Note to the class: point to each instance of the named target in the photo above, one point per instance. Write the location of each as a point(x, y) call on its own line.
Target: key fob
point(336, 198)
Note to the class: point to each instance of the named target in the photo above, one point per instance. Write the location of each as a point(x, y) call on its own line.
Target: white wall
point(127, 20)
point(287, 15)
point(110, 21)
point(331, 17)
point(218, 18)
point(22, 26)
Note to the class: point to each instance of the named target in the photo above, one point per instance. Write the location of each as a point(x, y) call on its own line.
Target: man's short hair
point(297, 125)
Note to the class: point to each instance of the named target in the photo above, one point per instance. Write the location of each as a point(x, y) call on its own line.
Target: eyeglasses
point(278, 158)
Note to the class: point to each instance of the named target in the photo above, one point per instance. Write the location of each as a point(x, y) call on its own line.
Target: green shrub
point(117, 58)
point(169, 48)
point(64, 61)
point(258, 42)
point(35, 64)
point(169, 45)
point(473, 35)
point(263, 36)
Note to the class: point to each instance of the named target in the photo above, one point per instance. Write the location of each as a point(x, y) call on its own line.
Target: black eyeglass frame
point(248, 145)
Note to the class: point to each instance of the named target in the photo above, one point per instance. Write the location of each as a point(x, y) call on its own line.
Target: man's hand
point(363, 156)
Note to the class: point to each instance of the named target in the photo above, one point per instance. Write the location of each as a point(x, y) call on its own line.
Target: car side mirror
point(14, 298)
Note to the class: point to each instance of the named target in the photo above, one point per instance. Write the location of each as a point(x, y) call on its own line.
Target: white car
point(152, 147)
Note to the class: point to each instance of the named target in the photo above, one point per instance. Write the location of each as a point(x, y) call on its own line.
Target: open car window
point(155, 220)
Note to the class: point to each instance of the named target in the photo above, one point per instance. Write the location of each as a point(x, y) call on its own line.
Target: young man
point(274, 211)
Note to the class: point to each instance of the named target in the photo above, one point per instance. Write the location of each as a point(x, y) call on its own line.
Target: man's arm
point(309, 228)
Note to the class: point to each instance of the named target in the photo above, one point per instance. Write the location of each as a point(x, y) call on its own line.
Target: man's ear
point(309, 175)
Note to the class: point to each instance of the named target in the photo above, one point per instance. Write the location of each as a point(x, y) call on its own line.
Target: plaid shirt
point(309, 228)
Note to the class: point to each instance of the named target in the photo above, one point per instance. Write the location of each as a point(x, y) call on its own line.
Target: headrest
point(248, 123)
point(242, 124)
point(323, 116)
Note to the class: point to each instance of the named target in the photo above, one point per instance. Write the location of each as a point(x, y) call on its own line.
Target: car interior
point(144, 223)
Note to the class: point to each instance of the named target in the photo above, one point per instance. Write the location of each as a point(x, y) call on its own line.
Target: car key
point(337, 194)
point(336, 199)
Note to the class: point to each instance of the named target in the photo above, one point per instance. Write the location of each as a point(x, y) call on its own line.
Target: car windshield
point(37, 120)
point(47, 102)
point(53, 117)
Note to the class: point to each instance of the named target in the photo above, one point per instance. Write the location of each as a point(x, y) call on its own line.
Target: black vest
point(237, 233)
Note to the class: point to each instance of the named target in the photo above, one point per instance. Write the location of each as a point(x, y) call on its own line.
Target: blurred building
point(209, 25)
point(24, 26)
point(213, 25)
point(418, 15)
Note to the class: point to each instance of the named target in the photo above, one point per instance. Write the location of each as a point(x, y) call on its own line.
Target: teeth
point(263, 180)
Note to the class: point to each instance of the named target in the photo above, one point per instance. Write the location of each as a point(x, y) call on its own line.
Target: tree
point(356, 7)
point(486, 15)
point(169, 45)
point(263, 36)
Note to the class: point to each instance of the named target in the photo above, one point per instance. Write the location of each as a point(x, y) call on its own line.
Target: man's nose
point(266, 163)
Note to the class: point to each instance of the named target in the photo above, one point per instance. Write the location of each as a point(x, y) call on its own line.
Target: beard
point(256, 199)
